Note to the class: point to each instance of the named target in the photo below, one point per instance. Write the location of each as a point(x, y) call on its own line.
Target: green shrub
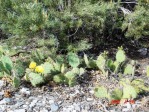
point(137, 23)
point(71, 23)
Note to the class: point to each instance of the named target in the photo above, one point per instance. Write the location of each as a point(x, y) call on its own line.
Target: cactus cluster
point(56, 70)
point(8, 68)
point(119, 65)
point(129, 90)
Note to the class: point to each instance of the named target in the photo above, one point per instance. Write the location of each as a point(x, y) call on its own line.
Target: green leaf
point(116, 66)
point(62, 68)
point(129, 92)
point(101, 61)
point(60, 59)
point(1, 75)
point(16, 82)
point(117, 94)
point(47, 67)
point(86, 61)
point(101, 92)
point(58, 78)
point(73, 59)
point(92, 63)
point(120, 56)
point(7, 63)
point(147, 71)
point(20, 69)
point(70, 75)
point(129, 70)
point(82, 71)
point(70, 78)
point(139, 85)
point(35, 79)
point(111, 65)
point(57, 66)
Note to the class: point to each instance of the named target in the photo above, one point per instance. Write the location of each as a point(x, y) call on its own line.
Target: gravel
point(79, 98)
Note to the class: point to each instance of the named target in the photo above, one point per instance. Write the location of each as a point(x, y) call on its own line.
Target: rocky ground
point(54, 98)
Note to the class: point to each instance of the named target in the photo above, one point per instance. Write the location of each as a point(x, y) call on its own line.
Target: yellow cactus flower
point(32, 65)
point(39, 69)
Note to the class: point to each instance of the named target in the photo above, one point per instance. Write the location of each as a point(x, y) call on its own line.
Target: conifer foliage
point(75, 24)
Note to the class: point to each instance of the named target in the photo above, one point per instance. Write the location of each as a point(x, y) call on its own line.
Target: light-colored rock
point(33, 103)
point(91, 91)
point(43, 110)
point(1, 83)
point(89, 99)
point(25, 91)
point(5, 101)
point(54, 107)
point(20, 110)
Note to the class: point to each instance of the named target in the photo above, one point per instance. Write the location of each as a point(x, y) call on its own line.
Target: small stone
point(5, 101)
point(10, 111)
point(91, 91)
point(84, 110)
point(3, 107)
point(25, 91)
point(1, 83)
point(127, 105)
point(2, 93)
point(33, 103)
point(43, 102)
point(143, 51)
point(19, 103)
point(25, 106)
point(20, 110)
point(77, 107)
point(43, 110)
point(89, 99)
point(39, 104)
point(51, 101)
point(54, 107)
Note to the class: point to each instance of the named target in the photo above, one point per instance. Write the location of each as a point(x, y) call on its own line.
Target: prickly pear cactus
point(129, 70)
point(129, 92)
point(73, 60)
point(117, 94)
point(59, 78)
point(47, 67)
point(63, 68)
point(117, 66)
point(90, 63)
point(16, 82)
point(147, 71)
point(101, 62)
point(35, 79)
point(111, 65)
point(70, 78)
point(86, 61)
point(139, 85)
point(6, 64)
point(120, 55)
point(101, 92)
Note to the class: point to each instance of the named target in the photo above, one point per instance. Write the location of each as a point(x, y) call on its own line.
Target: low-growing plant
point(129, 90)
point(119, 65)
point(9, 69)
point(60, 70)
point(147, 71)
